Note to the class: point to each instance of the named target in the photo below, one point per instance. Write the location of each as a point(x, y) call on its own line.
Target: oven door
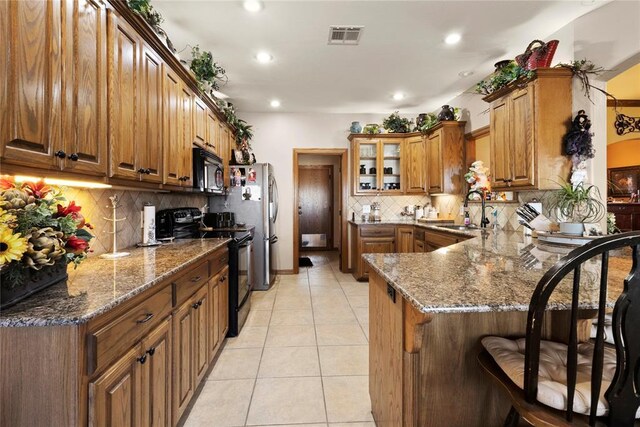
point(245, 271)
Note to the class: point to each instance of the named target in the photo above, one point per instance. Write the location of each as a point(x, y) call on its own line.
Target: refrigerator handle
point(273, 239)
point(275, 200)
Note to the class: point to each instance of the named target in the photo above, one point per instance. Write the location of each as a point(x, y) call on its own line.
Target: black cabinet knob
point(142, 359)
point(147, 171)
point(60, 154)
point(141, 171)
point(73, 157)
point(151, 351)
point(195, 305)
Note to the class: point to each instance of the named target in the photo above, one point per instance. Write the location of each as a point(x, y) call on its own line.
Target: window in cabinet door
point(368, 166)
point(391, 166)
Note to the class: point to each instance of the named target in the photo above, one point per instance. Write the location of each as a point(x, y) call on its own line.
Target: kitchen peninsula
point(121, 342)
point(428, 312)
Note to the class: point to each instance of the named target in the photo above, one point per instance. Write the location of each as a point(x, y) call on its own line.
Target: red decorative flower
point(76, 245)
point(72, 210)
point(37, 189)
point(7, 183)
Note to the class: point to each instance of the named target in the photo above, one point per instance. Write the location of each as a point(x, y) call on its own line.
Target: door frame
point(333, 208)
point(343, 153)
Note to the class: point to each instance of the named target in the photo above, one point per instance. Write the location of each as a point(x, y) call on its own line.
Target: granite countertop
point(408, 221)
point(494, 271)
point(99, 284)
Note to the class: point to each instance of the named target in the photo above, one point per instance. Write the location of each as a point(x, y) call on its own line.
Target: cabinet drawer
point(219, 261)
point(113, 339)
point(439, 240)
point(377, 231)
point(187, 284)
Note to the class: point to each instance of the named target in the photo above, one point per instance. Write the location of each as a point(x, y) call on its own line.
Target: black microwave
point(208, 172)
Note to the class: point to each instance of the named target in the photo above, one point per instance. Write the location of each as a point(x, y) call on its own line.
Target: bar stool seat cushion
point(552, 383)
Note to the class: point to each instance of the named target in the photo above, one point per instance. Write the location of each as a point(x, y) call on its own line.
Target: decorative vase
point(501, 64)
point(355, 127)
point(420, 120)
point(446, 114)
point(573, 228)
point(34, 281)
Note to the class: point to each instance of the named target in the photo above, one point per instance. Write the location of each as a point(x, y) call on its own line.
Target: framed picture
point(623, 181)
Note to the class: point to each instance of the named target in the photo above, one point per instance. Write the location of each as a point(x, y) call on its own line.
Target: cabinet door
point(404, 239)
point(213, 132)
point(416, 160)
point(214, 314)
point(434, 162)
point(187, 136)
point(200, 122)
point(223, 309)
point(124, 47)
point(173, 130)
point(183, 384)
point(150, 152)
point(375, 245)
point(157, 376)
point(116, 397)
point(390, 167)
point(521, 133)
point(499, 141)
point(201, 330)
point(418, 246)
point(365, 166)
point(31, 92)
point(85, 127)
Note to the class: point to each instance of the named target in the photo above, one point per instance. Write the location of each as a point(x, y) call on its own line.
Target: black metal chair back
point(623, 394)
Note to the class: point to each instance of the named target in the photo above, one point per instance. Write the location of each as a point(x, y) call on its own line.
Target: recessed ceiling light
point(252, 5)
point(453, 38)
point(275, 103)
point(465, 73)
point(264, 57)
point(398, 96)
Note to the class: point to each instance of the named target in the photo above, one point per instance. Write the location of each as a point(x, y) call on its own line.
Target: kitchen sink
point(459, 227)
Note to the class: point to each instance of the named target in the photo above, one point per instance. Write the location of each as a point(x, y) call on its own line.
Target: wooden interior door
point(31, 92)
point(315, 209)
point(85, 128)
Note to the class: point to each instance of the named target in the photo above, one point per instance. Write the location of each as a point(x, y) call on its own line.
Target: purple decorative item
point(577, 142)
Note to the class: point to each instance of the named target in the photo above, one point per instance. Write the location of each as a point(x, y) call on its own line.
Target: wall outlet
point(366, 209)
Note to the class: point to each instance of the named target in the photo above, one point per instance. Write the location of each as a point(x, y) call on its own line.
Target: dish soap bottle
point(467, 220)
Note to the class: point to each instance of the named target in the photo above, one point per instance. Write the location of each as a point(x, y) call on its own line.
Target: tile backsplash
point(390, 206)
point(449, 207)
point(96, 206)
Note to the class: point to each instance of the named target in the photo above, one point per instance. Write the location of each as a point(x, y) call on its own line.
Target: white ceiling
point(401, 48)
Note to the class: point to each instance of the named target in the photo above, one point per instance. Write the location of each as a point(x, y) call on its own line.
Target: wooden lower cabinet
point(418, 246)
point(223, 304)
point(201, 332)
point(404, 239)
point(157, 376)
point(183, 360)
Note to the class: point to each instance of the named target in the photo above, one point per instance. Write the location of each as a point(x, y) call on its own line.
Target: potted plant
point(207, 73)
point(396, 124)
point(39, 234)
point(503, 76)
point(574, 205)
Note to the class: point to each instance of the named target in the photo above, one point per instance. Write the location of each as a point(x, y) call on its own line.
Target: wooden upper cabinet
point(31, 95)
point(527, 125)
point(416, 160)
point(173, 129)
point(445, 158)
point(200, 123)
point(187, 135)
point(377, 164)
point(124, 48)
point(85, 118)
point(150, 152)
point(213, 132)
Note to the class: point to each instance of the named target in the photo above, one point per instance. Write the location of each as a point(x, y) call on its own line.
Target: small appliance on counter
point(179, 223)
point(208, 172)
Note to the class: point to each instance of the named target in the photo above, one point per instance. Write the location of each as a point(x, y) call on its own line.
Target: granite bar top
point(494, 271)
point(422, 222)
point(99, 284)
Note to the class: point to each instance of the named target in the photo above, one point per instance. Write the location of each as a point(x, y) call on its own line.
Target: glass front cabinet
point(377, 165)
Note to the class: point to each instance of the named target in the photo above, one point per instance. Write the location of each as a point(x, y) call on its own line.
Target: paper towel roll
point(148, 224)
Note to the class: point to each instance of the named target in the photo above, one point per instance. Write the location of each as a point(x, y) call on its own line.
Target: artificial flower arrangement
point(478, 177)
point(38, 229)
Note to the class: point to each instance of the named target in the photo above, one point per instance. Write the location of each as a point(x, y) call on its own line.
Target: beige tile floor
point(301, 360)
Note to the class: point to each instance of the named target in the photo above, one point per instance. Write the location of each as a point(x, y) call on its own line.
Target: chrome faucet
point(484, 221)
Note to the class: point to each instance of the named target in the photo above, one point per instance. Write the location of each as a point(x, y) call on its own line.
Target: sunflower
point(12, 246)
point(7, 219)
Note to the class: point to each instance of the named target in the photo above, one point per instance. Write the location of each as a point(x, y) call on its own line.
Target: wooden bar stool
point(554, 384)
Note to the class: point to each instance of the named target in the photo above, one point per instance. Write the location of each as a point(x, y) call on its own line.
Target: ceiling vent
point(349, 35)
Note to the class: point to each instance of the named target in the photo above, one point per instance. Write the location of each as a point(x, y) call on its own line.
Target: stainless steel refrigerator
point(253, 197)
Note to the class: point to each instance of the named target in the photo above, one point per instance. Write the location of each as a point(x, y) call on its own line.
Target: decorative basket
point(539, 56)
point(34, 281)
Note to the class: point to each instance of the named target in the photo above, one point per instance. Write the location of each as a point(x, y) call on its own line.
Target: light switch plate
point(366, 209)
